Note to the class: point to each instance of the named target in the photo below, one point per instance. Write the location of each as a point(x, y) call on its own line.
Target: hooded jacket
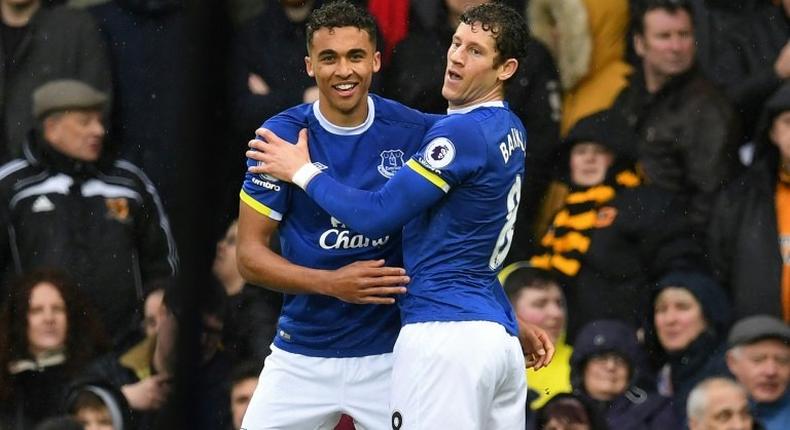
point(102, 222)
point(743, 235)
point(704, 356)
point(609, 241)
point(639, 407)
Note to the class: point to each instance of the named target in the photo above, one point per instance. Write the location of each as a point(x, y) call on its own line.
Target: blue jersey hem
point(510, 329)
point(332, 352)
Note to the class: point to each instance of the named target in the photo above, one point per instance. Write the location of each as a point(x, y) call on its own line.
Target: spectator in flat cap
point(759, 357)
point(41, 44)
point(69, 203)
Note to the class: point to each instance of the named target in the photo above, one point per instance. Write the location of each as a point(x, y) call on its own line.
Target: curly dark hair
point(507, 26)
point(641, 8)
point(340, 14)
point(85, 339)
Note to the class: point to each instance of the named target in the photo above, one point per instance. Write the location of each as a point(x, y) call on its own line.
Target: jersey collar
point(346, 131)
point(496, 103)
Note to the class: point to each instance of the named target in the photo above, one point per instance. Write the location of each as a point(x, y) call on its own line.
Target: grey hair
point(698, 398)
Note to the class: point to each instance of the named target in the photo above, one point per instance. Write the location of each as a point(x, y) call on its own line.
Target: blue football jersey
point(454, 250)
point(365, 157)
point(458, 199)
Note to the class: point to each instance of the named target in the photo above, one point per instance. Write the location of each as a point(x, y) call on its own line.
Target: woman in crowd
point(46, 337)
point(607, 368)
point(686, 332)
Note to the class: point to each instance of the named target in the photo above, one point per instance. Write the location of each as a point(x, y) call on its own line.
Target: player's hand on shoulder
point(536, 344)
point(277, 157)
point(367, 282)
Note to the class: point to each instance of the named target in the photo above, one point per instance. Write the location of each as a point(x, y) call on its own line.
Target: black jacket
point(746, 65)
point(61, 43)
point(101, 222)
point(743, 235)
point(686, 138)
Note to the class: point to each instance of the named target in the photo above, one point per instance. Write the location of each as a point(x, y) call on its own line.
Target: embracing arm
point(411, 191)
point(359, 282)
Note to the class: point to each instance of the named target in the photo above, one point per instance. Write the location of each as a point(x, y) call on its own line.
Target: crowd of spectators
point(652, 242)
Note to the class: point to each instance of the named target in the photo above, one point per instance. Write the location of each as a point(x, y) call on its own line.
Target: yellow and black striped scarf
point(584, 209)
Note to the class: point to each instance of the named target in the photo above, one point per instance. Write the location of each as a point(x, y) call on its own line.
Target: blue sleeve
point(378, 213)
point(266, 194)
point(450, 155)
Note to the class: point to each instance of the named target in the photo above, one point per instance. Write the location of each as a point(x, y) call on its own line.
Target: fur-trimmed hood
point(582, 35)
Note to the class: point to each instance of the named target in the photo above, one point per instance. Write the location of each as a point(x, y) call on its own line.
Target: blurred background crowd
point(652, 241)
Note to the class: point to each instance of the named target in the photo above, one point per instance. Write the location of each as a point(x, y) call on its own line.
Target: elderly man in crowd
point(719, 404)
point(759, 357)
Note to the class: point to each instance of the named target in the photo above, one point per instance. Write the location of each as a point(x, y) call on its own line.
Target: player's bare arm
point(536, 344)
point(361, 282)
point(279, 158)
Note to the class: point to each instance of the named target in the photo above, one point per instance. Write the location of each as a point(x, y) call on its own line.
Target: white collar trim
point(496, 103)
point(346, 131)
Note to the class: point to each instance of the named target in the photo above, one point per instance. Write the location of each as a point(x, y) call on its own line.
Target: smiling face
point(46, 320)
point(471, 75)
point(762, 367)
point(606, 376)
point(678, 318)
point(342, 60)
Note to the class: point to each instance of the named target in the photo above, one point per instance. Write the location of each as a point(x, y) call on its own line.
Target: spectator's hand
point(310, 94)
point(276, 156)
point(257, 85)
point(782, 64)
point(148, 394)
point(536, 344)
point(366, 282)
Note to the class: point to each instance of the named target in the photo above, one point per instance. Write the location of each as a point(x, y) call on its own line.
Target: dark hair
point(644, 6)
point(87, 400)
point(85, 338)
point(568, 408)
point(340, 14)
point(245, 370)
point(507, 26)
point(528, 277)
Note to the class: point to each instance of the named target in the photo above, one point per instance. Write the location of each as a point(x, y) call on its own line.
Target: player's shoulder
point(287, 123)
point(392, 111)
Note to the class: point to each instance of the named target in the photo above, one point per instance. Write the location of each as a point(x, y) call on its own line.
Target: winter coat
point(102, 222)
point(743, 235)
point(746, 66)
point(639, 407)
point(686, 134)
point(704, 357)
point(149, 52)
point(251, 323)
point(60, 43)
point(589, 51)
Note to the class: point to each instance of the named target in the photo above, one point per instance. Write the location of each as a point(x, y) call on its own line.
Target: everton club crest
point(391, 161)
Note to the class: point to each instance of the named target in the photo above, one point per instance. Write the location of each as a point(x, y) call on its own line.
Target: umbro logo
point(42, 204)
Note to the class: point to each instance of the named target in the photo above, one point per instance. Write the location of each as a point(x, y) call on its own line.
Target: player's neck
point(495, 95)
point(352, 118)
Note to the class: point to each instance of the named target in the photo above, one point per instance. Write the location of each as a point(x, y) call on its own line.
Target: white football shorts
point(459, 375)
point(298, 392)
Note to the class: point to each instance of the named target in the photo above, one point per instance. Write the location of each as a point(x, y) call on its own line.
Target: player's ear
point(308, 65)
point(507, 69)
point(376, 61)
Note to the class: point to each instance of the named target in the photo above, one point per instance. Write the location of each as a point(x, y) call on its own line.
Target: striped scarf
point(583, 210)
